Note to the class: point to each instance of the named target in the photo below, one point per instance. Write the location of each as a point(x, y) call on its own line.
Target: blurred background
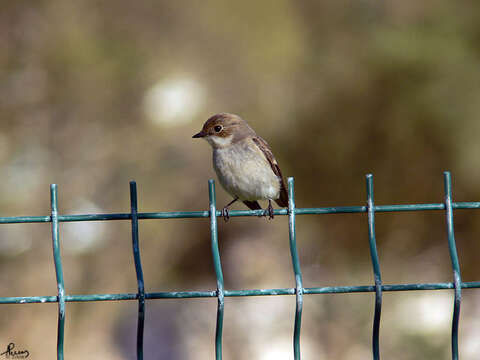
point(96, 93)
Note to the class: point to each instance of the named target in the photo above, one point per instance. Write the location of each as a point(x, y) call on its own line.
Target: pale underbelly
point(250, 179)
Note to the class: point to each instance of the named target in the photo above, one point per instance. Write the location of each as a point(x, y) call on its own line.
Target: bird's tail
point(252, 205)
point(282, 201)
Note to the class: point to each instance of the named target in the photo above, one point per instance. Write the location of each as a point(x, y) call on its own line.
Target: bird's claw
point(225, 214)
point(269, 211)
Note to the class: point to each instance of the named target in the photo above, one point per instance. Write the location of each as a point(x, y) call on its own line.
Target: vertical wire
point(58, 271)
point(296, 269)
point(218, 269)
point(138, 269)
point(457, 281)
point(376, 268)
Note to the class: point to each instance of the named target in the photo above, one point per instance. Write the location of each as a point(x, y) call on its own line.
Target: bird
point(244, 163)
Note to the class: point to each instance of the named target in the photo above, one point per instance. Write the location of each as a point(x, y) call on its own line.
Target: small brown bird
point(244, 163)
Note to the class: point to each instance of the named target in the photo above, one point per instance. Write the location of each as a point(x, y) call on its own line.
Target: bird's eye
point(217, 128)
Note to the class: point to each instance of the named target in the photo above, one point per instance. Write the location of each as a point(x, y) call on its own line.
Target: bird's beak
point(201, 134)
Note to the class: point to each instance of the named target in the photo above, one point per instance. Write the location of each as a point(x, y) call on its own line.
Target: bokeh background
point(96, 93)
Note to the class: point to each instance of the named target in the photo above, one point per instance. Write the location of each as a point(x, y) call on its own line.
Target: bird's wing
point(263, 145)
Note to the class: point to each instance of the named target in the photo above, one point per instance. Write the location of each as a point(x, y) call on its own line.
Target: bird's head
point(222, 130)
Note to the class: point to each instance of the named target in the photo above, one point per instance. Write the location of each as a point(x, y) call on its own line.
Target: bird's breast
point(243, 171)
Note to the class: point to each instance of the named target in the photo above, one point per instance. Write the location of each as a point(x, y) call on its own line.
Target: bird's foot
point(225, 214)
point(269, 210)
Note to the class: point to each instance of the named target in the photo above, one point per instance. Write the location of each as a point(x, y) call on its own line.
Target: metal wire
point(58, 271)
point(218, 270)
point(296, 269)
point(376, 269)
point(455, 265)
point(138, 269)
point(220, 293)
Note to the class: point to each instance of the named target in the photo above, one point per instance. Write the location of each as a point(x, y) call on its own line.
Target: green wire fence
point(220, 293)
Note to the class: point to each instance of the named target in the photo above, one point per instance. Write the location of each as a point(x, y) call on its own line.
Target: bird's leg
point(225, 214)
point(269, 210)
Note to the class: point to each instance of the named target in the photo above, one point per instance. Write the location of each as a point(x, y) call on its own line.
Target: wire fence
point(220, 293)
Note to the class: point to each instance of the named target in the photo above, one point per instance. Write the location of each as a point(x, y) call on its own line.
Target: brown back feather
point(263, 145)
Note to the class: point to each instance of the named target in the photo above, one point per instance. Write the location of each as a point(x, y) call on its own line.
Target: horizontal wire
point(237, 293)
point(233, 213)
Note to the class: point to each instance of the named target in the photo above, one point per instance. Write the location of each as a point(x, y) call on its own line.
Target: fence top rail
point(233, 213)
point(237, 293)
